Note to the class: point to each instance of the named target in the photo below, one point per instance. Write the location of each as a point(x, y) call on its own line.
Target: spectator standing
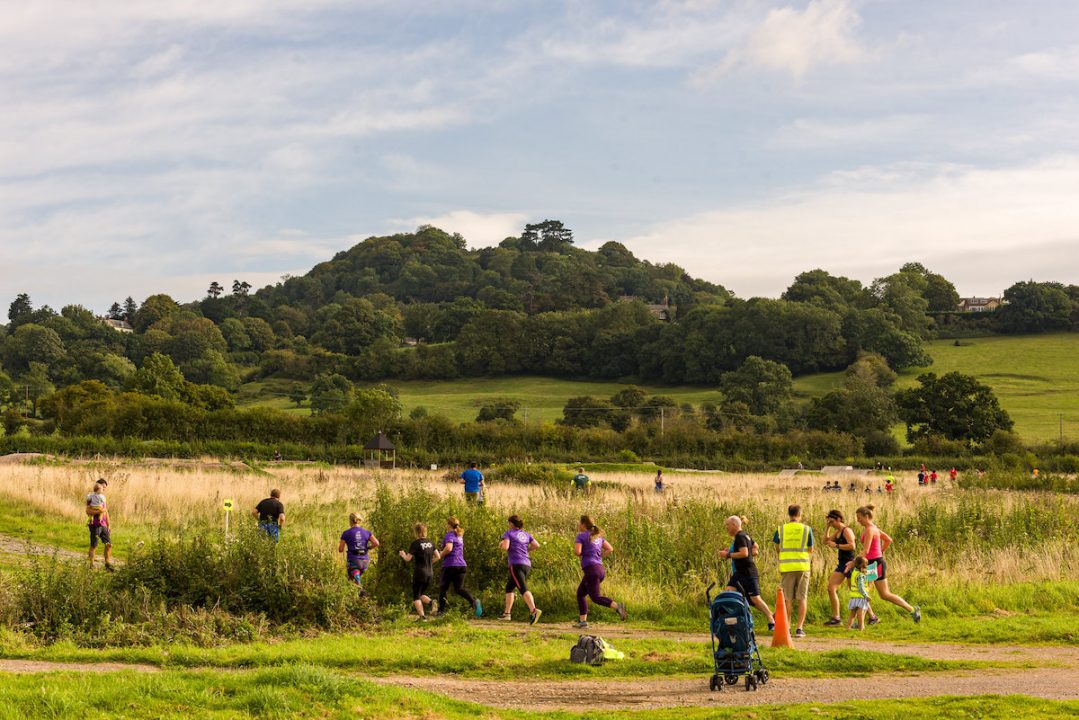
point(97, 513)
point(271, 515)
point(794, 540)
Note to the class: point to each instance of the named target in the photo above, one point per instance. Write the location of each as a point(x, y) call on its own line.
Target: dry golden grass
point(318, 499)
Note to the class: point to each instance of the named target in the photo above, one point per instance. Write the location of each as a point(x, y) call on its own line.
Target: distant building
point(664, 310)
point(977, 304)
point(118, 325)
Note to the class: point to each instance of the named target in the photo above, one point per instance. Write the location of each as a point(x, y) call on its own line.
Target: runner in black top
point(422, 552)
point(841, 537)
point(744, 575)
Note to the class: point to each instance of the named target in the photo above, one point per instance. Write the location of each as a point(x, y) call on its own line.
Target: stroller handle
point(708, 593)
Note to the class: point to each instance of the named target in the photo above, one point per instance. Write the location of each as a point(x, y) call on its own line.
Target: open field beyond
point(1035, 377)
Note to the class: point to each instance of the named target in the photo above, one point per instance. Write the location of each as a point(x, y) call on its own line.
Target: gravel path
point(1053, 654)
point(40, 666)
point(578, 695)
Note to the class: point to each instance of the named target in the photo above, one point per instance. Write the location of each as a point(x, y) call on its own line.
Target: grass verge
point(302, 691)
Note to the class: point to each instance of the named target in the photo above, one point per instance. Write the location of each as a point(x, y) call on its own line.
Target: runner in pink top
point(874, 543)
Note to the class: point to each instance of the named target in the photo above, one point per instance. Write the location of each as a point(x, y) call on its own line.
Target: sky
point(155, 147)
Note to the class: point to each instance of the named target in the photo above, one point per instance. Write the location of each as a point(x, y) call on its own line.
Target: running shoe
point(109, 567)
point(916, 614)
point(581, 624)
point(505, 616)
point(873, 621)
point(479, 608)
point(771, 627)
point(833, 622)
point(421, 618)
point(800, 633)
point(620, 608)
point(534, 617)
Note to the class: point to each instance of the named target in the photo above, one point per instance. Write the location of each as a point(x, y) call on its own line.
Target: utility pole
point(1061, 429)
point(662, 420)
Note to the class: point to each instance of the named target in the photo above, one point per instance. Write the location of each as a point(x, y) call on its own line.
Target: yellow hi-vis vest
point(794, 547)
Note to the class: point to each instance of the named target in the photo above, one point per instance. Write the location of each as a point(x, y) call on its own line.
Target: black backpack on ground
point(588, 650)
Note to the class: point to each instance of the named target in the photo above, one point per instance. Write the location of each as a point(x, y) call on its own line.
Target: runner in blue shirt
point(473, 481)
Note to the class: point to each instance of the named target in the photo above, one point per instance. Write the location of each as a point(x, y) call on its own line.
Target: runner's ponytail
point(455, 524)
point(590, 526)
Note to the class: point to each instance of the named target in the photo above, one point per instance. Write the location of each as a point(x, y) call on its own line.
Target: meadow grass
point(457, 648)
point(303, 691)
point(962, 555)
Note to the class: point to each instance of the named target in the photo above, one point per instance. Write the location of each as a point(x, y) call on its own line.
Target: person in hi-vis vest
point(795, 542)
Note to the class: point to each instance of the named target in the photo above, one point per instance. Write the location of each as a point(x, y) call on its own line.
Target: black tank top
point(845, 556)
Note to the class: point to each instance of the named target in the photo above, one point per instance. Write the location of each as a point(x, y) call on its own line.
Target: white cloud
point(479, 229)
point(813, 132)
point(868, 223)
point(794, 42)
point(1057, 64)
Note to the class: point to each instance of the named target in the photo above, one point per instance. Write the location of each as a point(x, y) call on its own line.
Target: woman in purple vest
point(454, 567)
point(591, 547)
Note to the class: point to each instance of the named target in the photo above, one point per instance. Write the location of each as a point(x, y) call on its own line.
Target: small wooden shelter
point(380, 452)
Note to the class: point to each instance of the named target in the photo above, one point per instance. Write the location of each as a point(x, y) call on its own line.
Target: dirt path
point(19, 546)
point(1054, 654)
point(580, 695)
point(39, 666)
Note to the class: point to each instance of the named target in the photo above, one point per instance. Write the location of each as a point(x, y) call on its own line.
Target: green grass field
point(541, 398)
point(1036, 378)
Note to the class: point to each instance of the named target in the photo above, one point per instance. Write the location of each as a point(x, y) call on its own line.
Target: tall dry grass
point(940, 532)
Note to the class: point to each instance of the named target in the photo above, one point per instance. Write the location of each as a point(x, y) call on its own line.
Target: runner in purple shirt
point(356, 542)
point(591, 547)
point(516, 542)
point(454, 567)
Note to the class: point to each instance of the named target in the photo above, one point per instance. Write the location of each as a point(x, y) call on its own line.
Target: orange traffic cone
point(782, 635)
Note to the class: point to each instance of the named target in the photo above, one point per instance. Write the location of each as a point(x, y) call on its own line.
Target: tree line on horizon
point(422, 305)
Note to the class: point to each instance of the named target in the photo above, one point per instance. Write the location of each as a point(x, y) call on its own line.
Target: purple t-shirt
point(356, 539)
point(456, 558)
point(591, 549)
point(518, 550)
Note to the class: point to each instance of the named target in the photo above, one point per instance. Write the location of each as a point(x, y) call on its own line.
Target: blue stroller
point(734, 646)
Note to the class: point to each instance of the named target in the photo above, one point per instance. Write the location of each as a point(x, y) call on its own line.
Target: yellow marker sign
point(228, 504)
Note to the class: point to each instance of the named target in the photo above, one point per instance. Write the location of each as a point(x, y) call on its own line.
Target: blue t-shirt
point(356, 539)
point(472, 478)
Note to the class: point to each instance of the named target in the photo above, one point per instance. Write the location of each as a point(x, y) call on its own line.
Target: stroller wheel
point(713, 683)
point(751, 682)
point(762, 675)
point(732, 679)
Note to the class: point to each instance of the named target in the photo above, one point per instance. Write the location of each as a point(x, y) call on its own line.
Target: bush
point(534, 474)
point(186, 586)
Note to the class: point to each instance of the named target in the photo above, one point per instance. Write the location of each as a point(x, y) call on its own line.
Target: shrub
point(190, 587)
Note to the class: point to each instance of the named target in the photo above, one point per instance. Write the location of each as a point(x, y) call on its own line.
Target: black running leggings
point(455, 577)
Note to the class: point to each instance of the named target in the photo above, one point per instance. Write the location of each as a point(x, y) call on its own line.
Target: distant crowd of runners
point(793, 540)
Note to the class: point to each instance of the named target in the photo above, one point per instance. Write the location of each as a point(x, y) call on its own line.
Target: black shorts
point(99, 533)
point(420, 583)
point(518, 579)
point(881, 575)
point(748, 584)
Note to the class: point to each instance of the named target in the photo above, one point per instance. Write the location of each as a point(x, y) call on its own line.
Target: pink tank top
point(873, 553)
